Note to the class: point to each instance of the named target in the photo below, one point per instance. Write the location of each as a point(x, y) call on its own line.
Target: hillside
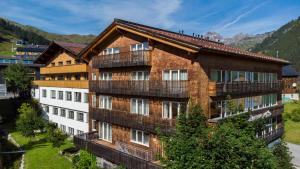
point(11, 31)
point(286, 40)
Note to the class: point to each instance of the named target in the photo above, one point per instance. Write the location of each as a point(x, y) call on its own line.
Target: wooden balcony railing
point(85, 141)
point(240, 88)
point(123, 59)
point(84, 84)
point(273, 135)
point(65, 69)
point(130, 120)
point(170, 89)
point(135, 151)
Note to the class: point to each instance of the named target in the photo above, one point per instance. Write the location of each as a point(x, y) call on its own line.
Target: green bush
point(286, 116)
point(295, 115)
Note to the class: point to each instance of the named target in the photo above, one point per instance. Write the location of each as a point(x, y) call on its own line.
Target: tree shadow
point(35, 143)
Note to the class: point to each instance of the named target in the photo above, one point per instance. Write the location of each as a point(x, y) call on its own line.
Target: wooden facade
point(162, 55)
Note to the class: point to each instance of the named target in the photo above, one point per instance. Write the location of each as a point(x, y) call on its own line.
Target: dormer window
point(68, 62)
point(60, 63)
point(53, 64)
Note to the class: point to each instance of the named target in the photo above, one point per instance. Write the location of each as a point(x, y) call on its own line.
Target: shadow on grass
point(35, 143)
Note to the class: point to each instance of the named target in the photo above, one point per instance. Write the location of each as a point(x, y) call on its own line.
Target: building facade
point(63, 87)
point(290, 90)
point(142, 77)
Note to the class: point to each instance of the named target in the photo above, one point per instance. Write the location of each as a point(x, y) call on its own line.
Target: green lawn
point(292, 129)
point(41, 155)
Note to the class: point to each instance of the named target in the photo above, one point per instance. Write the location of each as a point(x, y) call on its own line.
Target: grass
point(40, 154)
point(292, 129)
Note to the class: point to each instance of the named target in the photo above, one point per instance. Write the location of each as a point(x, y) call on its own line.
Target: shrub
point(295, 115)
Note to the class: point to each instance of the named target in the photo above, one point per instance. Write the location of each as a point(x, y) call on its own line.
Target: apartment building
point(141, 77)
point(63, 88)
point(290, 90)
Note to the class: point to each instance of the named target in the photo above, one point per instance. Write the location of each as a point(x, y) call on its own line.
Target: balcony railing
point(62, 83)
point(240, 88)
point(273, 135)
point(85, 141)
point(171, 89)
point(123, 59)
point(274, 110)
point(65, 69)
point(130, 120)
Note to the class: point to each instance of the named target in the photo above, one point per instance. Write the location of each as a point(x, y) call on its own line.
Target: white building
point(63, 88)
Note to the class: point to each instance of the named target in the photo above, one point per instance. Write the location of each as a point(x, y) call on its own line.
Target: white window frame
point(178, 74)
point(105, 127)
point(94, 100)
point(82, 116)
point(145, 102)
point(170, 104)
point(67, 95)
point(76, 94)
point(94, 77)
point(44, 93)
point(105, 76)
point(145, 75)
point(136, 137)
point(85, 97)
point(59, 92)
point(136, 48)
point(105, 102)
point(94, 128)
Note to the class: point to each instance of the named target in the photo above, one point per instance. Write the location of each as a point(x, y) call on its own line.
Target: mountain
point(11, 31)
point(285, 42)
point(241, 40)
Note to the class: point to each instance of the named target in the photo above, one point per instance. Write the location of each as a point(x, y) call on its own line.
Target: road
point(295, 149)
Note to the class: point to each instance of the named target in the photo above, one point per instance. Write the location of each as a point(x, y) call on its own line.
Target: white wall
point(294, 96)
point(64, 104)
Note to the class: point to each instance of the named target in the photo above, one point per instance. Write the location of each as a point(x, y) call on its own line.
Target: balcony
point(273, 135)
point(83, 84)
point(89, 142)
point(274, 110)
point(242, 88)
point(65, 69)
point(123, 59)
point(168, 89)
point(130, 120)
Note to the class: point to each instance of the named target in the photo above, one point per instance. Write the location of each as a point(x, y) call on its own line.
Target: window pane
point(146, 139)
point(133, 135)
point(174, 75)
point(183, 75)
point(166, 75)
point(166, 110)
point(140, 136)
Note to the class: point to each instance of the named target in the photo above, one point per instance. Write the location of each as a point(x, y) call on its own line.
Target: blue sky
point(228, 17)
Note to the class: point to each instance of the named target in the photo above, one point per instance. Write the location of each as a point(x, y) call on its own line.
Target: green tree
point(283, 156)
point(84, 160)
point(18, 80)
point(55, 135)
point(29, 121)
point(230, 144)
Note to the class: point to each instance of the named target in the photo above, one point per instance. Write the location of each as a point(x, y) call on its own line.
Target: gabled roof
point(289, 71)
point(72, 48)
point(190, 43)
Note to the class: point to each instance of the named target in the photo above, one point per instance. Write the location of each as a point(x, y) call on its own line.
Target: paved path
point(295, 149)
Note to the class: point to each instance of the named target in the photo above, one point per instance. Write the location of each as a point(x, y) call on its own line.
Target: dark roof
point(196, 43)
point(32, 48)
point(54, 47)
point(289, 71)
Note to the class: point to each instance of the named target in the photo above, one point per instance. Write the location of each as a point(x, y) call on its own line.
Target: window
point(60, 77)
point(140, 75)
point(139, 46)
point(109, 51)
point(105, 102)
point(71, 130)
point(94, 100)
point(63, 112)
point(77, 77)
point(69, 96)
point(71, 114)
point(139, 137)
point(53, 93)
point(85, 97)
point(60, 95)
point(53, 64)
point(63, 128)
point(139, 106)
point(172, 109)
point(60, 63)
point(94, 77)
point(69, 77)
point(44, 93)
point(68, 62)
point(80, 116)
point(79, 132)
point(94, 127)
point(77, 97)
point(106, 132)
point(175, 75)
point(105, 76)
point(46, 109)
point(55, 110)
